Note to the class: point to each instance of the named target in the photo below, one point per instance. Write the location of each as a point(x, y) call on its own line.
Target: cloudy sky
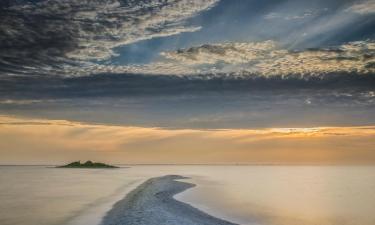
point(187, 81)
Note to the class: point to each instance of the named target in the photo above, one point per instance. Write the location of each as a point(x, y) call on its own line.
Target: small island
point(89, 164)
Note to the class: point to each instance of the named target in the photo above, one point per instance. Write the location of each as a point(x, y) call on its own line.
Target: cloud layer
point(78, 38)
point(266, 58)
point(56, 140)
point(247, 60)
point(59, 36)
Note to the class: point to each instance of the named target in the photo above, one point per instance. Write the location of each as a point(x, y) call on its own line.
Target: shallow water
point(288, 195)
point(275, 195)
point(49, 196)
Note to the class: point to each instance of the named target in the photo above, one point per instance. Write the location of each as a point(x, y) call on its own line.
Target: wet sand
point(152, 203)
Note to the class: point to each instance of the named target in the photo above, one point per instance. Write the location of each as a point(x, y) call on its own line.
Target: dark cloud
point(191, 102)
point(112, 85)
point(31, 38)
point(207, 109)
point(57, 36)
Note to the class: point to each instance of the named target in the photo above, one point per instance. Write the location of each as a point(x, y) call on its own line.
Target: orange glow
point(41, 141)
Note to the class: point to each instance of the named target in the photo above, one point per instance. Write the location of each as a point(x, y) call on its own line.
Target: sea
point(243, 194)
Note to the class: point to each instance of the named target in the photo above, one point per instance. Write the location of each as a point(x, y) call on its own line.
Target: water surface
point(287, 195)
point(269, 195)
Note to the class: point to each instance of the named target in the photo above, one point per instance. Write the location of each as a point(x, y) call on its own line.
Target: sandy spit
point(152, 203)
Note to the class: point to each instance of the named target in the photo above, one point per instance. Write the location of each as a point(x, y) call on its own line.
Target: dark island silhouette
point(87, 164)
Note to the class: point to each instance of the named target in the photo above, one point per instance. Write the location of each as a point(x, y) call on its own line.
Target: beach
point(152, 203)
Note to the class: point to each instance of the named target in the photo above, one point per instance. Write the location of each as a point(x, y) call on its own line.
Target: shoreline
point(152, 203)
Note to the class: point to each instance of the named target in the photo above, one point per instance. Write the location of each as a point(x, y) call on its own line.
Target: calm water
point(49, 196)
point(274, 195)
point(288, 195)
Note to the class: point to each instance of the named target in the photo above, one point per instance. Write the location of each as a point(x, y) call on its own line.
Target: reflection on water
point(48, 196)
point(274, 195)
point(288, 195)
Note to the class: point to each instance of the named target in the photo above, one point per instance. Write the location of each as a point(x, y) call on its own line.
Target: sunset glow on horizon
point(37, 141)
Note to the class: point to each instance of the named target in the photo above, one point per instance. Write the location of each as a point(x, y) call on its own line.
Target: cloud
point(30, 139)
point(137, 132)
point(249, 59)
point(362, 7)
point(267, 59)
point(57, 36)
point(31, 91)
point(298, 16)
point(71, 38)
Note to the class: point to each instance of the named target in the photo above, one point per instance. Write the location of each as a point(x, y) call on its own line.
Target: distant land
point(87, 164)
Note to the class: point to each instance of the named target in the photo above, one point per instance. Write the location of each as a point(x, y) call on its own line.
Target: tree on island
point(87, 164)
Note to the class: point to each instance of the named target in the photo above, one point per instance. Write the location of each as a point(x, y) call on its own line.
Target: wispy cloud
point(31, 138)
point(53, 36)
point(268, 59)
point(362, 7)
point(296, 16)
point(252, 58)
point(247, 59)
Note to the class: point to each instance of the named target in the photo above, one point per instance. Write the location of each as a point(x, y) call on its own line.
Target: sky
point(187, 81)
